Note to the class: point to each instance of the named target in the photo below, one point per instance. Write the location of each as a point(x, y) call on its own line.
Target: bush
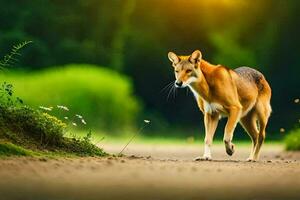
point(102, 96)
point(292, 140)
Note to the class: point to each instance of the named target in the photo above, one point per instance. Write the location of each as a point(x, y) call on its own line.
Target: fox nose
point(178, 83)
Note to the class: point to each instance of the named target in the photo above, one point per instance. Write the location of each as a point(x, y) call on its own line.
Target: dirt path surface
point(154, 172)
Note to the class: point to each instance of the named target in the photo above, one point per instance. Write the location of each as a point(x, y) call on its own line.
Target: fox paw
point(203, 158)
point(251, 160)
point(229, 148)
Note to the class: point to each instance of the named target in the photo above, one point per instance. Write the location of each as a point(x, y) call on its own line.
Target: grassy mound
point(292, 140)
point(9, 149)
point(102, 96)
point(23, 129)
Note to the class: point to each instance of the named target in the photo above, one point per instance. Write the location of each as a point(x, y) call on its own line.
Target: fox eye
point(188, 71)
point(176, 71)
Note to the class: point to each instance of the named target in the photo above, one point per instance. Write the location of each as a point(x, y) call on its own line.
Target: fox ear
point(173, 57)
point(195, 57)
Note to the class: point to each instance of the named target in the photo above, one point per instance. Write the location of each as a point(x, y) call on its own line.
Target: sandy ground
point(155, 172)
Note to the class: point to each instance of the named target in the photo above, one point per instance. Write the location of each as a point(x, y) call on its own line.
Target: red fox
point(243, 95)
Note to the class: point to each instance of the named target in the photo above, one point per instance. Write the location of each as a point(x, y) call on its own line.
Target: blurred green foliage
point(292, 140)
point(103, 97)
point(134, 37)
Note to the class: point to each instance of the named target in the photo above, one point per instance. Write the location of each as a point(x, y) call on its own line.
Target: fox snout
point(178, 83)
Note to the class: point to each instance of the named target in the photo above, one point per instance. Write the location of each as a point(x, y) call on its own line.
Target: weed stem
point(132, 138)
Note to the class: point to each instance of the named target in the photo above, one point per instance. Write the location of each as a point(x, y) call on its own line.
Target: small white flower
point(79, 116)
point(66, 117)
point(74, 124)
point(146, 121)
point(63, 107)
point(82, 121)
point(45, 108)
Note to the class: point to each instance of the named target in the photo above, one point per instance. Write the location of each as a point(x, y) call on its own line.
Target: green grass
point(120, 139)
point(26, 130)
point(9, 149)
point(104, 97)
point(292, 140)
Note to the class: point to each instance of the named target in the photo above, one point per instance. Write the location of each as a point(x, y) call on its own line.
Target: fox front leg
point(233, 118)
point(211, 123)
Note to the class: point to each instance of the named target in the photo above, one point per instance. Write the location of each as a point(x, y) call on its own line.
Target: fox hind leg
point(249, 123)
point(263, 113)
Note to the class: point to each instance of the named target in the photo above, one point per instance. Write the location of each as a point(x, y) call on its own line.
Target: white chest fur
point(194, 92)
point(209, 107)
point(212, 107)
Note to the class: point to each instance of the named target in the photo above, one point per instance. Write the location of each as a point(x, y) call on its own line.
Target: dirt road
point(155, 172)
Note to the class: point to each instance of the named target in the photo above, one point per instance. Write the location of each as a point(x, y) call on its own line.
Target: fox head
point(186, 68)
